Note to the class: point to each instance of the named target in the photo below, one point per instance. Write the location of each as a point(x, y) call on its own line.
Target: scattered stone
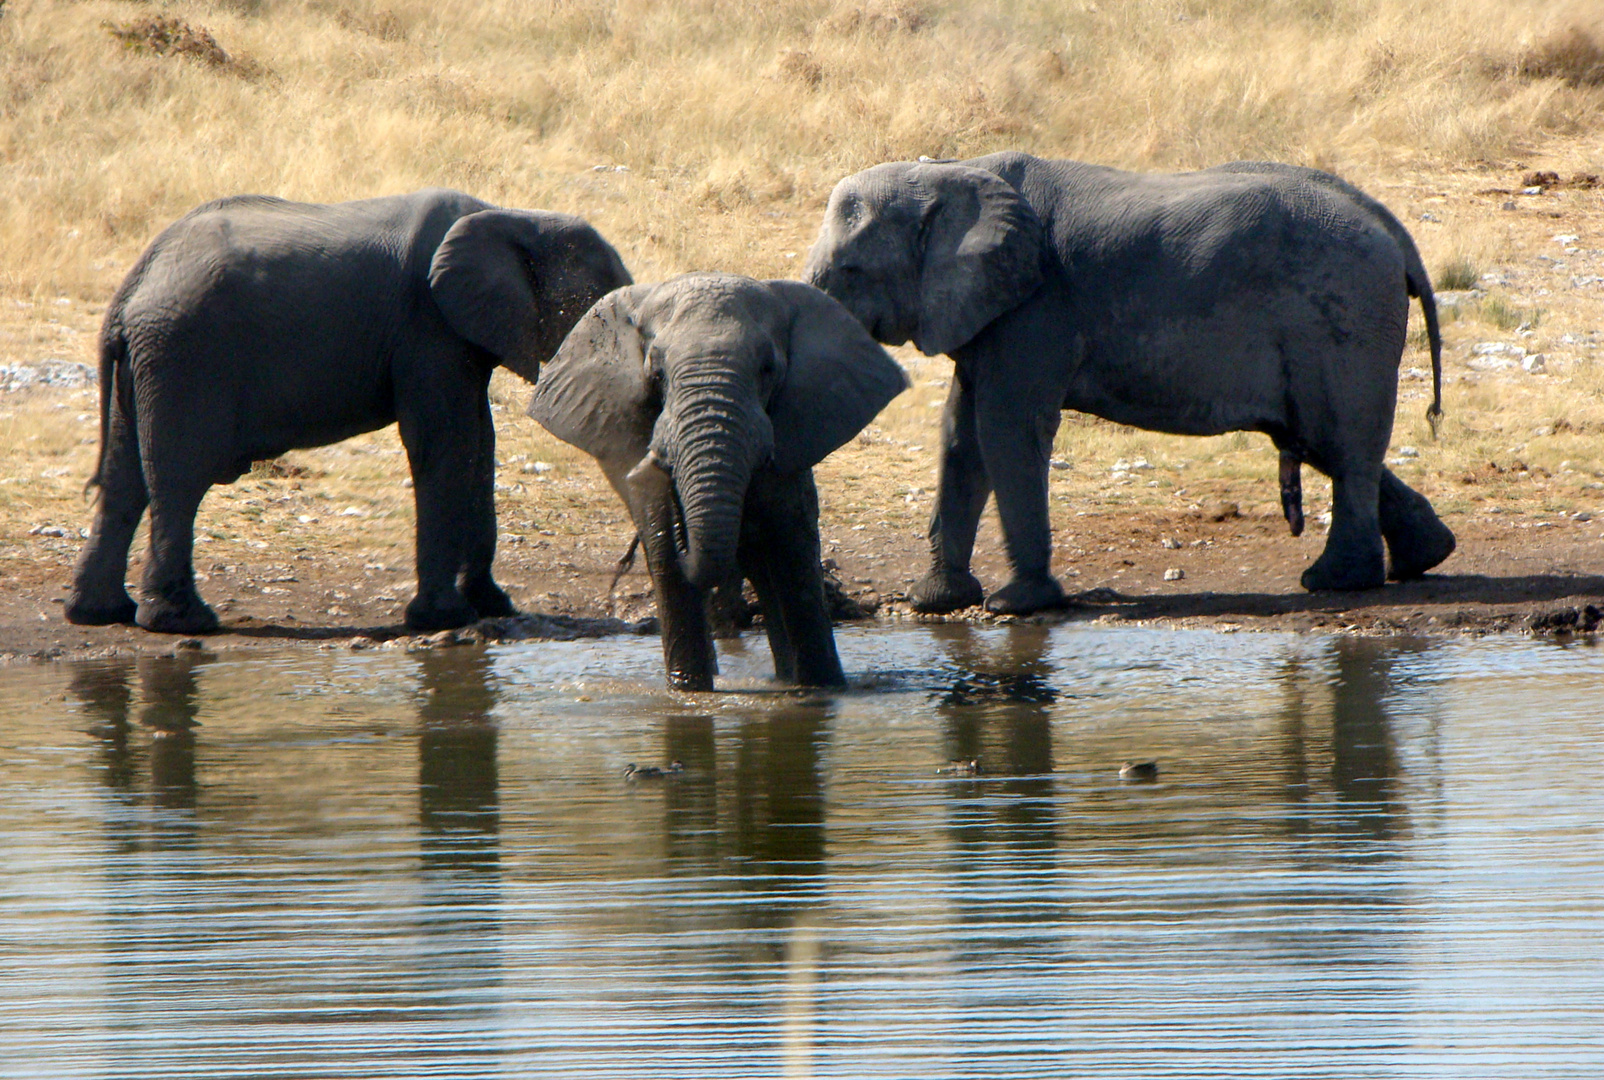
point(1539, 180)
point(60, 373)
point(1533, 363)
point(1222, 511)
point(1175, 573)
point(1058, 463)
point(1169, 543)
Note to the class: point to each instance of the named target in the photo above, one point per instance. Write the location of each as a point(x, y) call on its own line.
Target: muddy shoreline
point(1511, 575)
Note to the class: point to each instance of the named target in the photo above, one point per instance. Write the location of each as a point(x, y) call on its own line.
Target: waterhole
point(1358, 858)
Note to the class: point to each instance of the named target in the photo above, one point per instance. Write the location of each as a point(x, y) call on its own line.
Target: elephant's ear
point(837, 379)
point(982, 254)
point(594, 394)
point(513, 282)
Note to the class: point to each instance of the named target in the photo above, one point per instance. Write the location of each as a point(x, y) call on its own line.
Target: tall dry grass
point(733, 118)
point(720, 126)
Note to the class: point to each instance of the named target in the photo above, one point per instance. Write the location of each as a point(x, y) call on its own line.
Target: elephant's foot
point(164, 615)
point(1347, 568)
point(489, 600)
point(690, 680)
point(82, 610)
point(1027, 595)
point(941, 591)
point(427, 614)
point(1414, 554)
point(1417, 540)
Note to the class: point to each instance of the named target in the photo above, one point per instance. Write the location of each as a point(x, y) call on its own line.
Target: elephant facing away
point(1252, 297)
point(707, 400)
point(253, 326)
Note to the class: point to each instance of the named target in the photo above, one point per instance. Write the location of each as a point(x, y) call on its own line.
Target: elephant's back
point(255, 248)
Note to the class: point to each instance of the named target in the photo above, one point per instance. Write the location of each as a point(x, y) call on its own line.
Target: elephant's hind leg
point(1353, 557)
point(169, 603)
point(1417, 540)
point(99, 595)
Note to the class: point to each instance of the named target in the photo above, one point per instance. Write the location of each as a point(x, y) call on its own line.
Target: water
point(1362, 858)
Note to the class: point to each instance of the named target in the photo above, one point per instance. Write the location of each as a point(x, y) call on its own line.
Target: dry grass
point(719, 127)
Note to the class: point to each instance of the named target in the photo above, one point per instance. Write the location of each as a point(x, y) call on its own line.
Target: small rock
point(1169, 543)
point(1174, 573)
point(1058, 463)
point(1408, 452)
point(536, 467)
point(1566, 238)
point(1427, 215)
point(1223, 511)
point(1533, 363)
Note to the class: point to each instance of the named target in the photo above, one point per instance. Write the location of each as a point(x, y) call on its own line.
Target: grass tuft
point(1457, 272)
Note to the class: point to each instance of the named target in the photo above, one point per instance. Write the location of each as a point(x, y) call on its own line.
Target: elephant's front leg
point(779, 552)
point(681, 607)
point(1015, 426)
point(479, 541)
point(438, 406)
point(961, 491)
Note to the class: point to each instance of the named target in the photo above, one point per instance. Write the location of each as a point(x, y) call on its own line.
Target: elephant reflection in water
point(765, 829)
point(169, 704)
point(997, 713)
point(1362, 752)
point(460, 959)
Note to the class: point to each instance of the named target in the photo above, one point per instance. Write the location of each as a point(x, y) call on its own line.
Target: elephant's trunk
point(715, 441)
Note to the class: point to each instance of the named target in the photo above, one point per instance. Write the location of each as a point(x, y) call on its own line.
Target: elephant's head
point(931, 252)
point(514, 282)
point(690, 386)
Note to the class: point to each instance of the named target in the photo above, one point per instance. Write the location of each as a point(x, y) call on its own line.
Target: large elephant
point(1252, 296)
point(253, 326)
point(707, 400)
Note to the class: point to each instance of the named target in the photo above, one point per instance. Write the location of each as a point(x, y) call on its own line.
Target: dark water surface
point(1362, 858)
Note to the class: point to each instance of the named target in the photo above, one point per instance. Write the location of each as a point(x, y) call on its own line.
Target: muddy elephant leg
point(168, 601)
point(688, 651)
point(1417, 540)
point(1017, 443)
point(961, 491)
point(1353, 557)
point(99, 594)
point(479, 528)
point(780, 552)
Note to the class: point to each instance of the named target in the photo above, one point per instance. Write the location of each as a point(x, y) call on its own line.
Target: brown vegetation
point(706, 134)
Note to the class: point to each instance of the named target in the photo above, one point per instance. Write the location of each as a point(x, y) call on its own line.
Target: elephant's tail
point(1420, 286)
point(113, 360)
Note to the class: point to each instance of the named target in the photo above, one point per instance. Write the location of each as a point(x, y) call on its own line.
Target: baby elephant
point(707, 400)
point(253, 326)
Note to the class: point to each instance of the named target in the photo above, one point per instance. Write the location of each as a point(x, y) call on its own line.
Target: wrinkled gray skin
point(253, 326)
point(707, 400)
point(1254, 297)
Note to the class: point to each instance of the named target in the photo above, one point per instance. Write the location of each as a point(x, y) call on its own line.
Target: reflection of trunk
point(687, 645)
point(712, 459)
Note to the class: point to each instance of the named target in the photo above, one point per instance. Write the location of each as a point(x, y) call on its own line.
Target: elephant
point(1252, 296)
point(707, 400)
point(253, 326)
